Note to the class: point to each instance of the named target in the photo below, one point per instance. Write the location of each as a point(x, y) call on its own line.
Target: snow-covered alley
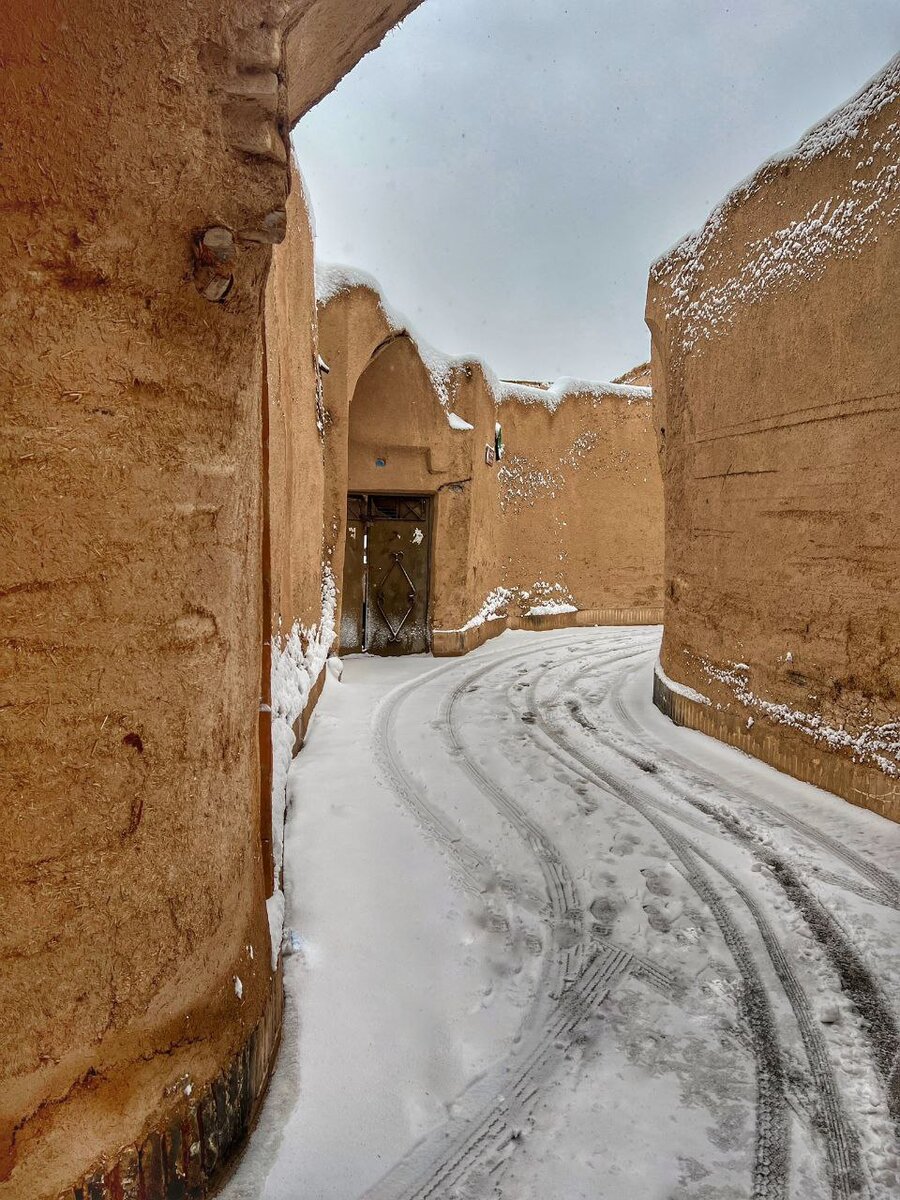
point(546, 945)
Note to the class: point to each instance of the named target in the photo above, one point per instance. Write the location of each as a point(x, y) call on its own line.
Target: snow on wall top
point(550, 600)
point(849, 120)
point(553, 394)
point(334, 280)
point(799, 249)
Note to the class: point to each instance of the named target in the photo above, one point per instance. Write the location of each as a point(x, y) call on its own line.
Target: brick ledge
point(786, 750)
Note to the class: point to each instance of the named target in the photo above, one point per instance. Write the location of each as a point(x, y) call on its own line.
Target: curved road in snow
point(654, 967)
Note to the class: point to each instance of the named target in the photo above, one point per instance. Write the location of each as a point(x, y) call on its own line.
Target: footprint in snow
point(660, 881)
point(662, 914)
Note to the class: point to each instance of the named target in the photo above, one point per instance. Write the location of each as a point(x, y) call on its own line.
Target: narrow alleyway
point(546, 946)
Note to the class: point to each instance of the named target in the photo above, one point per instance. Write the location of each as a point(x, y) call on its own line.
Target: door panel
point(353, 599)
point(387, 553)
point(397, 612)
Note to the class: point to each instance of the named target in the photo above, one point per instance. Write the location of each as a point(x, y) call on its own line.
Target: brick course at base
point(786, 750)
point(185, 1155)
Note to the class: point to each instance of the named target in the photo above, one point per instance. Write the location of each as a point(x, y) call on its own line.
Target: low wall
point(453, 643)
point(590, 618)
point(776, 385)
point(456, 642)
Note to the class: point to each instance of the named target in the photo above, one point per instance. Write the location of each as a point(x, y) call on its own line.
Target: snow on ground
point(548, 946)
point(550, 609)
point(297, 661)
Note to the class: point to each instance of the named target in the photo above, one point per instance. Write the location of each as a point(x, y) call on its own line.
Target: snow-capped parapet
point(847, 122)
point(550, 610)
point(680, 689)
point(565, 388)
point(297, 661)
point(547, 599)
point(496, 604)
point(334, 280)
point(839, 222)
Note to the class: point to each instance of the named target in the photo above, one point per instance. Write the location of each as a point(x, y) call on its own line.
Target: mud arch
point(575, 509)
point(401, 443)
point(143, 179)
point(382, 403)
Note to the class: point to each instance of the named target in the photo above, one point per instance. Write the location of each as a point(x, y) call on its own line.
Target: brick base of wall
point(456, 642)
point(185, 1155)
point(787, 750)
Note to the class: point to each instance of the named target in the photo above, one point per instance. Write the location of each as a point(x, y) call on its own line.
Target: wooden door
point(386, 575)
point(397, 615)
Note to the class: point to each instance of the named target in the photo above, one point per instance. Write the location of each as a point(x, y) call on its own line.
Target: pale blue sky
point(510, 168)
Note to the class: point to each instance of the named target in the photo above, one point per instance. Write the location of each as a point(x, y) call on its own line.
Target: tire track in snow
point(573, 981)
point(841, 1141)
point(772, 1148)
point(477, 1143)
point(467, 859)
point(886, 887)
point(857, 979)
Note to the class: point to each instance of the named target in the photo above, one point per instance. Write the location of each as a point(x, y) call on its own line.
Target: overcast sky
point(510, 168)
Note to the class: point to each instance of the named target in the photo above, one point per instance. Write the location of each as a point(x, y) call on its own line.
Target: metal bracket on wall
point(397, 556)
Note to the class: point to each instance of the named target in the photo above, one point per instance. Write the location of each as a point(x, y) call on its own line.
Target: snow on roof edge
point(819, 139)
point(336, 279)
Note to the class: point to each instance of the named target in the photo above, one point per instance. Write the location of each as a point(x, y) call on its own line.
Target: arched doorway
point(406, 507)
point(387, 563)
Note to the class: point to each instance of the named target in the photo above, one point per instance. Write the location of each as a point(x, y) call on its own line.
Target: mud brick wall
point(143, 181)
point(575, 506)
point(776, 381)
point(580, 500)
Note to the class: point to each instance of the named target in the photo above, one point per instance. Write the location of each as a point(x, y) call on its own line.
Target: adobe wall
point(509, 537)
point(776, 379)
point(132, 877)
point(639, 376)
point(296, 433)
point(297, 592)
point(580, 498)
point(350, 331)
point(396, 417)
